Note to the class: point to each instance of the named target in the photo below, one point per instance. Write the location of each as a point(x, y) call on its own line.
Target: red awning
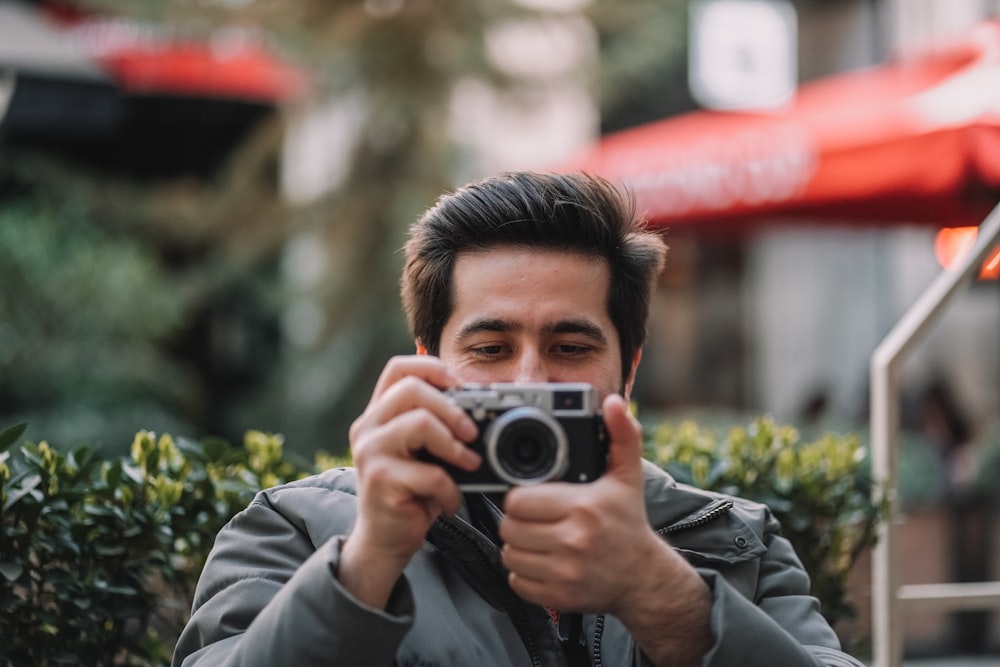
point(910, 141)
point(143, 59)
point(227, 66)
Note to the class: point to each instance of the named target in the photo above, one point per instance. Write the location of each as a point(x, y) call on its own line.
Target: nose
point(530, 367)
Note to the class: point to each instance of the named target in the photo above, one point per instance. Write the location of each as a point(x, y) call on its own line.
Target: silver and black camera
point(532, 433)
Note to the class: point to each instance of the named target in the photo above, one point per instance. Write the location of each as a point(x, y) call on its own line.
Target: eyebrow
point(499, 325)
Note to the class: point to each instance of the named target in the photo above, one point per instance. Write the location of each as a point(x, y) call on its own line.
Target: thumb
point(625, 434)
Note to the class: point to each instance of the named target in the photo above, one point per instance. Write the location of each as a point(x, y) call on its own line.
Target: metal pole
point(887, 635)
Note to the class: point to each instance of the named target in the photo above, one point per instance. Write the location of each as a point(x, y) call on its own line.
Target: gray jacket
point(268, 594)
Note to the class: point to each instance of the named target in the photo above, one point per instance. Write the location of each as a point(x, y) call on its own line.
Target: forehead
point(530, 283)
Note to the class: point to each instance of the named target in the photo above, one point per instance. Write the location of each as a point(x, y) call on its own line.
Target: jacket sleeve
point(267, 596)
point(781, 625)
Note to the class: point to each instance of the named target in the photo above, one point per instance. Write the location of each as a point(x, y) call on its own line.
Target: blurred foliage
point(99, 555)
point(642, 69)
point(99, 308)
point(201, 255)
point(820, 490)
point(84, 312)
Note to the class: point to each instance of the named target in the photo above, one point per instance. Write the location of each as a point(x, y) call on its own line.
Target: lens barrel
point(527, 445)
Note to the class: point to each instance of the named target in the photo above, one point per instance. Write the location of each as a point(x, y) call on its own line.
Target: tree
point(223, 237)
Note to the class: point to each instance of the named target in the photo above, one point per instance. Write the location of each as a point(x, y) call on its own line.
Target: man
point(518, 278)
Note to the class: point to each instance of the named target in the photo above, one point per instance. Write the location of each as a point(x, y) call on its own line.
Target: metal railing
point(888, 596)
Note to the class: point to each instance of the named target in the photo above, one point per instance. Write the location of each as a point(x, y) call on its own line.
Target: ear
point(421, 348)
point(630, 380)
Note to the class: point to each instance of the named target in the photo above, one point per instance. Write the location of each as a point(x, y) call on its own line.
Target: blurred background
point(202, 204)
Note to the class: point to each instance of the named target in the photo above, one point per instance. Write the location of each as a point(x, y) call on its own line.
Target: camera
point(532, 433)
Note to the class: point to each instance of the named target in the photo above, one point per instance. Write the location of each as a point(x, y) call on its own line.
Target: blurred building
point(133, 98)
point(751, 317)
point(782, 318)
point(767, 308)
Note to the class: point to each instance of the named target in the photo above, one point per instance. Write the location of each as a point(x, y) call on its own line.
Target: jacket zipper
point(518, 615)
point(710, 514)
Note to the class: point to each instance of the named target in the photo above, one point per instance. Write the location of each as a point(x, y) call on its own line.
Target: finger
point(530, 535)
point(528, 565)
point(559, 538)
point(430, 369)
point(543, 502)
point(413, 393)
point(401, 482)
point(546, 592)
point(625, 434)
point(420, 429)
point(531, 590)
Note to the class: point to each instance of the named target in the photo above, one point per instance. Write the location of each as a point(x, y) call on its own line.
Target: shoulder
point(669, 502)
point(319, 506)
point(336, 482)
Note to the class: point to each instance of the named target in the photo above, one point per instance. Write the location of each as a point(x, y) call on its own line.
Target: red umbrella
point(916, 140)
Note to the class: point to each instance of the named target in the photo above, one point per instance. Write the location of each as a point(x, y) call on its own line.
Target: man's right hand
point(399, 497)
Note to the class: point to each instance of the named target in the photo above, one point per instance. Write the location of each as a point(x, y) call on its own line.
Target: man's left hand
point(589, 548)
point(580, 547)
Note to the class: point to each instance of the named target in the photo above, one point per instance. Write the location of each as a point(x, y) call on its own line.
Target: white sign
point(743, 53)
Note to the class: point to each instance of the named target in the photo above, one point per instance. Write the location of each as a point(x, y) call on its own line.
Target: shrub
point(821, 491)
point(99, 558)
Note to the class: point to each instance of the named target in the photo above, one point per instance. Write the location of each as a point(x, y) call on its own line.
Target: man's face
point(529, 315)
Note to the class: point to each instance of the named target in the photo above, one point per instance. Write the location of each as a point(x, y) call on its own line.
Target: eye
point(571, 349)
point(488, 350)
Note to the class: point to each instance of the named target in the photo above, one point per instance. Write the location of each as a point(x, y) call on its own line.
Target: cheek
point(472, 373)
point(612, 382)
point(467, 377)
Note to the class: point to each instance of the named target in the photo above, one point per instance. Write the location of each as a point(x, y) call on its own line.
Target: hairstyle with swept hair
point(576, 213)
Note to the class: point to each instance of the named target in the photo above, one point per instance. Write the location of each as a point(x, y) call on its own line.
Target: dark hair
point(573, 212)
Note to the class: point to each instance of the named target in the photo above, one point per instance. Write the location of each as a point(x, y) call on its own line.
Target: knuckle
point(354, 434)
point(512, 503)
point(365, 445)
point(408, 387)
point(378, 472)
point(421, 418)
point(395, 363)
point(407, 382)
point(361, 456)
point(578, 541)
point(441, 480)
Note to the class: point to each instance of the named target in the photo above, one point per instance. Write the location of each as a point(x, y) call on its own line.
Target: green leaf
point(133, 473)
point(27, 488)
point(105, 587)
point(192, 449)
point(11, 571)
point(114, 474)
point(109, 549)
point(216, 449)
point(11, 435)
point(80, 457)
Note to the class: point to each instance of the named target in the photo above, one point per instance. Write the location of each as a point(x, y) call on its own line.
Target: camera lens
point(526, 449)
point(527, 446)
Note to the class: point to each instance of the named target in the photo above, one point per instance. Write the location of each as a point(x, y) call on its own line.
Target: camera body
point(532, 433)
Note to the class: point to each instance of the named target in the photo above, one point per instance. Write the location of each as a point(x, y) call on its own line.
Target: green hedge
point(99, 556)
point(820, 490)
